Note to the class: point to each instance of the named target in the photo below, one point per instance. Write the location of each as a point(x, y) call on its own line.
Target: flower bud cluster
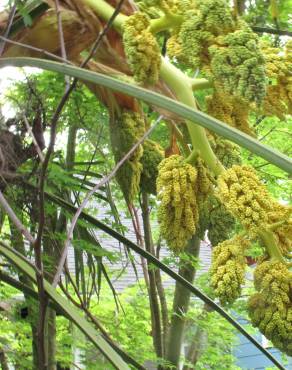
point(243, 194)
point(178, 211)
point(141, 49)
point(228, 269)
point(270, 309)
point(125, 133)
point(278, 100)
point(221, 221)
point(153, 154)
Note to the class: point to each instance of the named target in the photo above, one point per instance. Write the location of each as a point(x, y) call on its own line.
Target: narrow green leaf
point(278, 159)
point(68, 310)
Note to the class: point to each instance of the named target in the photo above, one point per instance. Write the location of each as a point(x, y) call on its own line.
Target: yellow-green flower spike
point(243, 194)
point(238, 65)
point(178, 212)
point(125, 132)
point(226, 151)
point(282, 233)
point(202, 25)
point(141, 49)
point(221, 222)
point(153, 154)
point(228, 269)
point(278, 100)
point(270, 309)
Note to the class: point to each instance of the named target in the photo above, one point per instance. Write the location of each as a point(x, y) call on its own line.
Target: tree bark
point(51, 339)
point(180, 306)
point(163, 304)
point(3, 360)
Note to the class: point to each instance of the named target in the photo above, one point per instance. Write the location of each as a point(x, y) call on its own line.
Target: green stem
point(179, 83)
point(200, 84)
point(271, 245)
point(105, 11)
point(165, 22)
point(192, 158)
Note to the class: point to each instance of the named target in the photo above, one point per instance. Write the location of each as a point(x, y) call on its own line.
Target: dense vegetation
point(81, 153)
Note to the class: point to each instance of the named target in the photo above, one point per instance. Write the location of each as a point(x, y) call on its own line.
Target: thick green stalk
point(105, 11)
point(271, 245)
point(200, 83)
point(167, 21)
point(180, 85)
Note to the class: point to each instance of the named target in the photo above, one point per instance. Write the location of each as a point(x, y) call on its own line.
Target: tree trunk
point(163, 304)
point(18, 243)
point(154, 304)
point(180, 306)
point(3, 360)
point(51, 339)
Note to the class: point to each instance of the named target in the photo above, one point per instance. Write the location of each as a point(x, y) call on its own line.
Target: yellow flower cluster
point(221, 221)
point(243, 194)
point(282, 233)
point(238, 65)
point(174, 6)
point(153, 154)
point(226, 151)
point(223, 47)
point(204, 180)
point(231, 110)
point(141, 49)
point(228, 269)
point(178, 211)
point(278, 100)
point(202, 24)
point(125, 132)
point(270, 309)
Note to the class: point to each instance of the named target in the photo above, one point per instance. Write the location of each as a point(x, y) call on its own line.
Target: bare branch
point(8, 28)
point(62, 40)
point(29, 130)
point(18, 224)
point(272, 31)
point(33, 48)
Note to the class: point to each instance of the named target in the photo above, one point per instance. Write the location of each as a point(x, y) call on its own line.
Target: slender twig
point(29, 130)
point(18, 224)
point(103, 181)
point(62, 40)
point(272, 31)
point(60, 30)
point(8, 28)
point(33, 48)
